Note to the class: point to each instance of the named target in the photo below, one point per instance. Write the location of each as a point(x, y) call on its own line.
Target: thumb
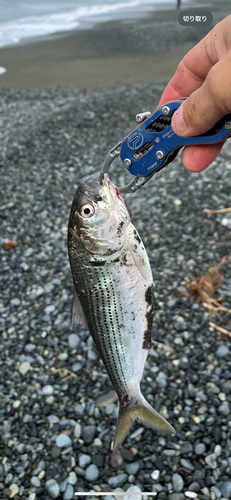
point(208, 104)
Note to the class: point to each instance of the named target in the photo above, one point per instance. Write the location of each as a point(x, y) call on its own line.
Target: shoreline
point(110, 54)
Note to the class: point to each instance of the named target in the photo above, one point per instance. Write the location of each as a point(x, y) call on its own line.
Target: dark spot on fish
point(98, 263)
point(109, 252)
point(136, 236)
point(149, 297)
point(123, 260)
point(147, 343)
point(135, 247)
point(133, 315)
point(119, 229)
point(116, 260)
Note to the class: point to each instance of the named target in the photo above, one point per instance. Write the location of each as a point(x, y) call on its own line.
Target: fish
point(114, 295)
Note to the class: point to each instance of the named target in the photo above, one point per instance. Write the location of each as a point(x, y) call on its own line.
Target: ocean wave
point(15, 30)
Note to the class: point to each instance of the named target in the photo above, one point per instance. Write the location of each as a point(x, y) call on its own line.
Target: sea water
point(24, 19)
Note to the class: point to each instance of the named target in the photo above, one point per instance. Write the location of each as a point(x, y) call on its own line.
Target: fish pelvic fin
point(143, 411)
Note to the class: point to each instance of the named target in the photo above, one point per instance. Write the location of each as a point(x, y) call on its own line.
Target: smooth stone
point(63, 356)
point(53, 419)
point(221, 351)
point(211, 460)
point(132, 489)
point(15, 302)
point(92, 473)
point(161, 380)
point(226, 489)
point(186, 447)
point(194, 487)
point(9, 478)
point(84, 460)
point(77, 430)
point(30, 347)
point(35, 482)
point(109, 409)
point(176, 496)
point(177, 483)
point(217, 492)
point(47, 390)
point(224, 409)
point(20, 448)
point(73, 340)
point(133, 468)
point(24, 367)
point(169, 453)
point(72, 478)
point(155, 475)
point(79, 410)
point(188, 465)
point(200, 448)
point(218, 450)
point(62, 441)
point(50, 400)
point(32, 496)
point(69, 492)
point(116, 482)
point(52, 488)
point(14, 489)
point(1, 466)
point(77, 367)
point(88, 433)
point(49, 309)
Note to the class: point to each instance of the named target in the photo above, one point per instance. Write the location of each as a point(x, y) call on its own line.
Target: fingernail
point(178, 124)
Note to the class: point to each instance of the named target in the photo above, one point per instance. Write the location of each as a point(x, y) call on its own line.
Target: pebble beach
point(58, 410)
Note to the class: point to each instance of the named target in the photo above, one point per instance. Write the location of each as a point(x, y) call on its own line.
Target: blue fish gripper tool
point(153, 144)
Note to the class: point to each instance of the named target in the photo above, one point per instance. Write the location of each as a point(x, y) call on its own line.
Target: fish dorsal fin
point(139, 254)
point(78, 316)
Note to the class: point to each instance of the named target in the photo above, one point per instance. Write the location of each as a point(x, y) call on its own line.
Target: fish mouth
point(92, 183)
point(107, 181)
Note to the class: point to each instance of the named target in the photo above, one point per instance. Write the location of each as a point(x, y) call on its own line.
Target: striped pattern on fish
point(114, 294)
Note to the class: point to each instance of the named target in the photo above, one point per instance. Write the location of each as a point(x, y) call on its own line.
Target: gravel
point(49, 415)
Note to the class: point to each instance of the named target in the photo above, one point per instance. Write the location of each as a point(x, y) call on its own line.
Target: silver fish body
point(114, 294)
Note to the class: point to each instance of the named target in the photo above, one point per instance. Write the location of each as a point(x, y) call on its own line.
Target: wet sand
point(105, 56)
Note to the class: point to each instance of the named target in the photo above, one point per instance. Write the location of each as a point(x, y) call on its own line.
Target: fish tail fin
point(141, 409)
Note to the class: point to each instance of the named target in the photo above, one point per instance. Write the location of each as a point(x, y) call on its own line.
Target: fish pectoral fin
point(146, 414)
point(138, 253)
point(78, 316)
point(140, 264)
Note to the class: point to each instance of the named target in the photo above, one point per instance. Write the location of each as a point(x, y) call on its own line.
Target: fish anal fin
point(143, 412)
point(78, 316)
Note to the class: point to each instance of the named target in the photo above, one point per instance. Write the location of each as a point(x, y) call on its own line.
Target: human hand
point(204, 76)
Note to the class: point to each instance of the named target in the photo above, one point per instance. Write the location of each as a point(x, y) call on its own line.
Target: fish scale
point(114, 294)
point(104, 322)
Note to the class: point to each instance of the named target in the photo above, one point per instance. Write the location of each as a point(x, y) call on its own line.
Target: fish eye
point(87, 210)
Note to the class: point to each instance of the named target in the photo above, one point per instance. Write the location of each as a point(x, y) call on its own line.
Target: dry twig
point(220, 329)
point(65, 372)
point(206, 285)
point(219, 211)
